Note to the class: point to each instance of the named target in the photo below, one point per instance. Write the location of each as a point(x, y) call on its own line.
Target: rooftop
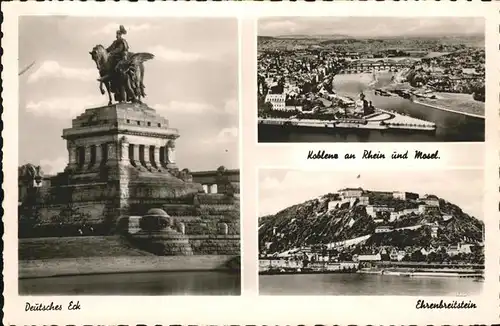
point(348, 189)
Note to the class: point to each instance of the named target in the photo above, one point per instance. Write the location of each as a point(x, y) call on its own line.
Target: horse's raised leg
point(109, 94)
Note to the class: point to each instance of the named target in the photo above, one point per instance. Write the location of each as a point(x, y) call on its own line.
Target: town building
point(460, 248)
point(401, 255)
point(447, 217)
point(465, 248)
point(293, 108)
point(351, 192)
point(334, 204)
point(431, 200)
point(383, 229)
point(372, 210)
point(422, 209)
point(385, 194)
point(277, 100)
point(453, 250)
point(222, 181)
point(434, 231)
point(368, 258)
point(397, 215)
point(364, 200)
point(403, 195)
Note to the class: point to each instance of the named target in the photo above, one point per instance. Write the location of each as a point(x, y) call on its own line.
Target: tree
point(417, 256)
point(432, 257)
point(478, 93)
point(264, 108)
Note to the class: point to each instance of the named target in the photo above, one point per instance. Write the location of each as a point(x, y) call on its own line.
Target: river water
point(366, 284)
point(157, 283)
point(451, 127)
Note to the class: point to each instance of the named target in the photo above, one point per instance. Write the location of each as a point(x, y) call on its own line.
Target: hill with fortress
point(356, 217)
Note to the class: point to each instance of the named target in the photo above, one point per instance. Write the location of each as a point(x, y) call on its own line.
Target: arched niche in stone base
point(213, 188)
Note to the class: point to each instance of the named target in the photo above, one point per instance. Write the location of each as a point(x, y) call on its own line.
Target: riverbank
point(463, 104)
point(126, 264)
point(388, 82)
point(441, 272)
point(427, 102)
point(304, 271)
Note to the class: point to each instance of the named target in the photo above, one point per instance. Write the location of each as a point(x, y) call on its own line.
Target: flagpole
point(26, 69)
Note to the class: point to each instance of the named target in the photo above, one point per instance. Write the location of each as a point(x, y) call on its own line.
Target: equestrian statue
point(121, 72)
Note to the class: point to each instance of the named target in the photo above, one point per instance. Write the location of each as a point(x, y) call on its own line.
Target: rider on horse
point(121, 71)
point(119, 55)
point(118, 50)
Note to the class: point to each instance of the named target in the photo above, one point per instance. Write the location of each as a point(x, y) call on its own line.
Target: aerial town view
point(371, 79)
point(370, 234)
point(123, 192)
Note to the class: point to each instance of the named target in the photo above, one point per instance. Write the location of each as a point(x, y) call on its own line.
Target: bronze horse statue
point(124, 78)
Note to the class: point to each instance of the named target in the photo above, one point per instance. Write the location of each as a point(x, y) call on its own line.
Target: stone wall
point(203, 227)
point(215, 244)
point(92, 203)
point(67, 220)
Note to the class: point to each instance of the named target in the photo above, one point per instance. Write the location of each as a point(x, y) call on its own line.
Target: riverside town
point(326, 86)
point(358, 233)
point(401, 231)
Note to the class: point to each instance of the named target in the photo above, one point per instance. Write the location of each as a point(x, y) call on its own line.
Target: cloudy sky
point(192, 81)
point(370, 26)
point(282, 188)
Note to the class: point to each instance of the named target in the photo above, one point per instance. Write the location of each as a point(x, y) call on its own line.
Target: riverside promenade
point(47, 257)
point(380, 120)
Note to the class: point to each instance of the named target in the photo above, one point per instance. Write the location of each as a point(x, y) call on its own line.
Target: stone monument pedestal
point(121, 162)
